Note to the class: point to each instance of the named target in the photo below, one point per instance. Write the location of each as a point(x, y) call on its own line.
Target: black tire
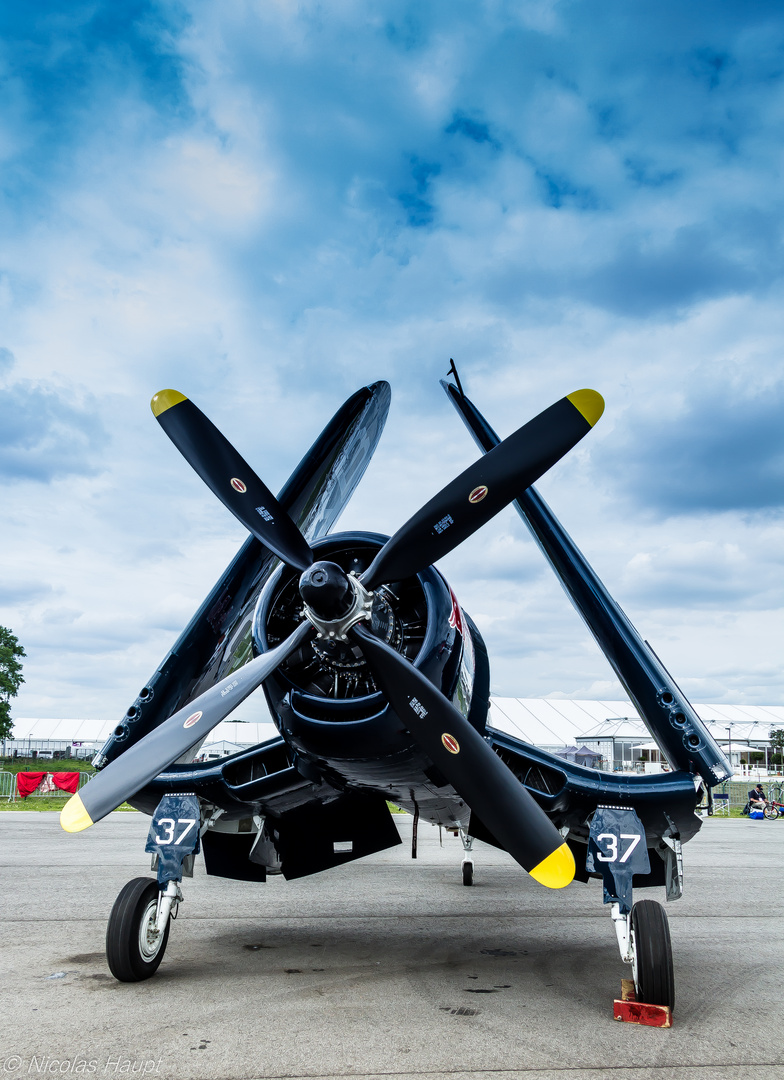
point(468, 873)
point(771, 813)
point(654, 975)
point(129, 952)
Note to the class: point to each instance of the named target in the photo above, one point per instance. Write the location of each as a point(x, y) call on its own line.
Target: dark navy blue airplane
point(379, 685)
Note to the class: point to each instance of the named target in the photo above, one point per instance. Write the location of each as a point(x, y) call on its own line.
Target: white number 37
point(612, 843)
point(169, 825)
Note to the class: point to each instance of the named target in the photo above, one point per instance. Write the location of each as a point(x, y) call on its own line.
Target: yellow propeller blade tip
point(587, 402)
point(556, 870)
point(164, 400)
point(73, 816)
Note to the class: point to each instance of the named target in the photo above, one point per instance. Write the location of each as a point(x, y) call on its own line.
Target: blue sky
point(266, 205)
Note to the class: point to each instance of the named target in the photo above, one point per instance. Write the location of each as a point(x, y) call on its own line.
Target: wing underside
point(270, 818)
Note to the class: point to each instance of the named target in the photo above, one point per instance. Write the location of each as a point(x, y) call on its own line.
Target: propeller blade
point(143, 761)
point(228, 475)
point(485, 488)
point(652, 690)
point(468, 762)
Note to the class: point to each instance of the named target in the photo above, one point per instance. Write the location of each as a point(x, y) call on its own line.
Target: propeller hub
point(327, 591)
point(334, 600)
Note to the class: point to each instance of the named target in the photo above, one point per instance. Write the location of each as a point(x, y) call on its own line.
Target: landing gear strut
point(468, 862)
point(138, 929)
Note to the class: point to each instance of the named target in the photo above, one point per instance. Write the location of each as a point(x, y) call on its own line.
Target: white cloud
point(268, 206)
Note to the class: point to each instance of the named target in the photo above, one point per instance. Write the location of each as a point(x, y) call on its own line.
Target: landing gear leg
point(468, 862)
point(617, 850)
point(138, 929)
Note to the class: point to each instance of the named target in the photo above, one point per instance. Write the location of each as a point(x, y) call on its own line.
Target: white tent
point(559, 722)
point(550, 723)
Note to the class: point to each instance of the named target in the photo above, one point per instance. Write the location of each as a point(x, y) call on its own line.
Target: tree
point(777, 743)
point(11, 678)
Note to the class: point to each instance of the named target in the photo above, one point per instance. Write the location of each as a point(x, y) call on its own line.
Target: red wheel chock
point(632, 1011)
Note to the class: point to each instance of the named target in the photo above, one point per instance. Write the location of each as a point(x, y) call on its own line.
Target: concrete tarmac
point(386, 967)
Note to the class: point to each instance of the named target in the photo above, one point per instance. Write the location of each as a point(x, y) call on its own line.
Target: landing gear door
point(617, 850)
point(174, 835)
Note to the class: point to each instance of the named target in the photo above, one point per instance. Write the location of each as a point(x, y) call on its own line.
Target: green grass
point(46, 803)
point(15, 765)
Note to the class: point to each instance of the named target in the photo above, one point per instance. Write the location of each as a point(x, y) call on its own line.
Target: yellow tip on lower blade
point(164, 400)
point(73, 816)
point(556, 870)
point(587, 402)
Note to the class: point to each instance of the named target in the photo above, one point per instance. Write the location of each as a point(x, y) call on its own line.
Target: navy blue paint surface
point(172, 837)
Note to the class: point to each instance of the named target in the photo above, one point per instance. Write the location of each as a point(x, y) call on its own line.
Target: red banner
point(66, 781)
point(27, 782)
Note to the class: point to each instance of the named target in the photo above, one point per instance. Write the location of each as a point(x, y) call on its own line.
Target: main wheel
point(133, 949)
point(654, 977)
point(468, 873)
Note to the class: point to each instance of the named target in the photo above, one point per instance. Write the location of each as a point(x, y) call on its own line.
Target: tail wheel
point(133, 948)
point(654, 976)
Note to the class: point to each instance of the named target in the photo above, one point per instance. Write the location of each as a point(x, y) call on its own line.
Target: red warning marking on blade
point(451, 743)
point(477, 494)
point(192, 719)
point(238, 485)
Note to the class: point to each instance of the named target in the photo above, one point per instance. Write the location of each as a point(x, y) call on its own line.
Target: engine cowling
point(324, 696)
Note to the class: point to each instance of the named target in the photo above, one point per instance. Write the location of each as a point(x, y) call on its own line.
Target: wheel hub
point(150, 937)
